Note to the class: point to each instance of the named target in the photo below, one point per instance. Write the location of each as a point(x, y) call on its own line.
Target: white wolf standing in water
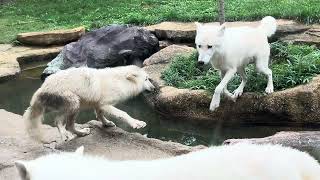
point(232, 162)
point(231, 49)
point(69, 90)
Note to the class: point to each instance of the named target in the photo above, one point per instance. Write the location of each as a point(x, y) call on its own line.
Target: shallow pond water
point(15, 96)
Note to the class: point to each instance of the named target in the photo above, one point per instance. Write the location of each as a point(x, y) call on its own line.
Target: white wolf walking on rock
point(230, 50)
point(69, 90)
point(229, 162)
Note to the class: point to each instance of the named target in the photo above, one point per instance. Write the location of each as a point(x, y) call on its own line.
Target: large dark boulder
point(107, 47)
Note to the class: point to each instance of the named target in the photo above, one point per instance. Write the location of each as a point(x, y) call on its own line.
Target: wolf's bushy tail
point(33, 117)
point(268, 25)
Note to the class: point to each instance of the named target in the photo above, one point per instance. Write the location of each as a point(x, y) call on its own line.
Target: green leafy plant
point(291, 65)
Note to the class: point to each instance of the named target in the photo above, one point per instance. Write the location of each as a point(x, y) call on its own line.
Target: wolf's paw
point(45, 141)
point(214, 105)
point(237, 93)
point(84, 131)
point(109, 124)
point(138, 124)
point(231, 98)
point(269, 90)
point(69, 136)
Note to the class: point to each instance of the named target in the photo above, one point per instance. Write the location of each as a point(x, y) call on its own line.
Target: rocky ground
point(113, 143)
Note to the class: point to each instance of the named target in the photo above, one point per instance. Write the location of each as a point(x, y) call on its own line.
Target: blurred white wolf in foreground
point(69, 90)
point(230, 50)
point(233, 162)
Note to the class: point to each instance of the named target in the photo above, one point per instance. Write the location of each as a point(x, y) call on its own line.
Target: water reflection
point(16, 95)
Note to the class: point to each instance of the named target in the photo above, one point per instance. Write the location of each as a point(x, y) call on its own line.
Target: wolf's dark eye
point(199, 46)
point(209, 47)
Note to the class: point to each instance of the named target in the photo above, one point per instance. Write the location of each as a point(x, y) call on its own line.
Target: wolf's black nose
point(200, 63)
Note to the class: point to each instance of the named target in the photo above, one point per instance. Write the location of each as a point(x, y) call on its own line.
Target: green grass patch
point(39, 15)
point(291, 65)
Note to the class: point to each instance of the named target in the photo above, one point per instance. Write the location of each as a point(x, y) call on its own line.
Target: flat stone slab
point(113, 143)
point(9, 68)
point(14, 58)
point(174, 31)
point(156, 63)
point(165, 55)
point(310, 37)
point(15, 144)
point(56, 37)
point(308, 141)
point(186, 32)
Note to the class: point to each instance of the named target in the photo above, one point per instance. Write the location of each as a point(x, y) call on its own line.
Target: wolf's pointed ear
point(198, 25)
point(132, 76)
point(79, 150)
point(222, 29)
point(22, 169)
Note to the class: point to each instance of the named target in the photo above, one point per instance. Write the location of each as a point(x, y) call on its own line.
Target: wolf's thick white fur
point(100, 89)
point(231, 49)
point(234, 162)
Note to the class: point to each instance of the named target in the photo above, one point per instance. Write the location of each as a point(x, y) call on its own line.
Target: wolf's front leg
point(238, 92)
point(123, 116)
point(226, 92)
point(215, 102)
